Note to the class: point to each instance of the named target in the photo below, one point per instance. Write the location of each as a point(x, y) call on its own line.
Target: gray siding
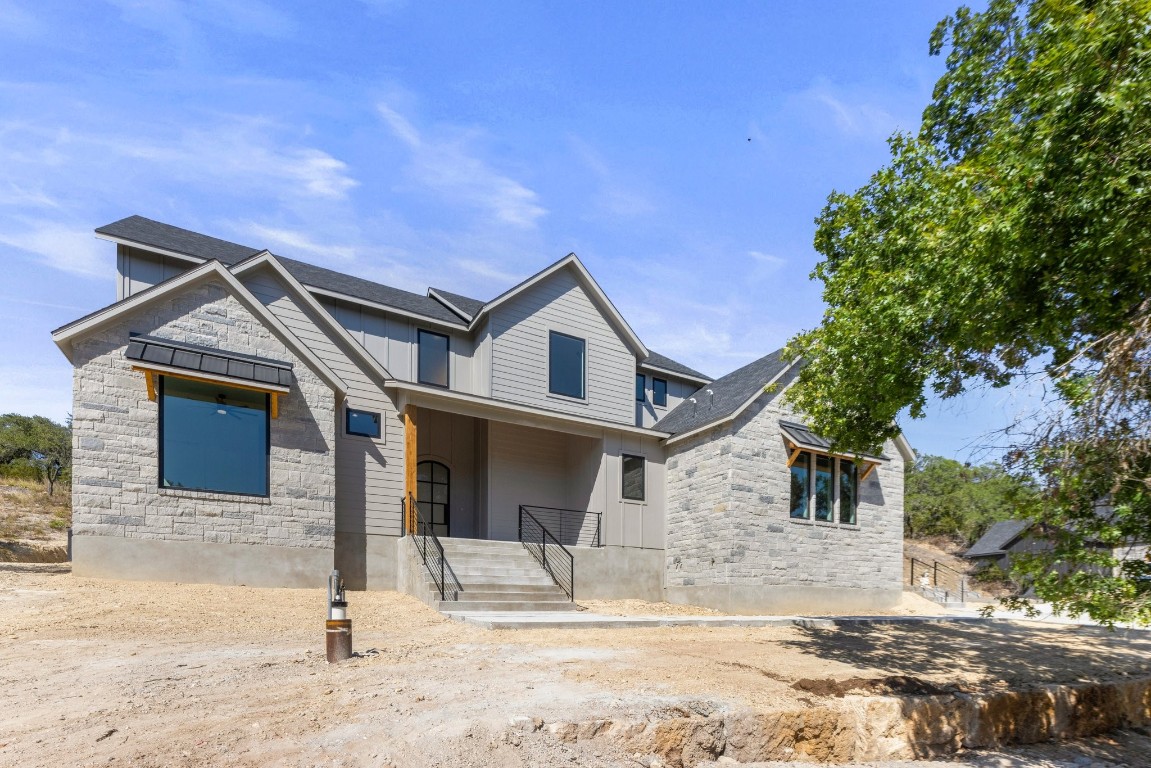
point(139, 270)
point(520, 330)
point(369, 473)
point(646, 413)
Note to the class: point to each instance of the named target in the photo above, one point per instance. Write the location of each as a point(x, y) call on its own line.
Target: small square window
point(633, 477)
point(433, 360)
point(640, 384)
point(566, 365)
point(659, 392)
point(362, 423)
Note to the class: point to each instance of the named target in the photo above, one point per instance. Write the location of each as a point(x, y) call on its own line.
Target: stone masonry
point(115, 438)
point(729, 523)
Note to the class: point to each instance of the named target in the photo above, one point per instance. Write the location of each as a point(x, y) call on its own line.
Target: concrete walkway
point(558, 620)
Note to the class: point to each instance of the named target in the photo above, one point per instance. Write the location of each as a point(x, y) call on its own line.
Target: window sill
point(243, 498)
point(824, 524)
point(567, 398)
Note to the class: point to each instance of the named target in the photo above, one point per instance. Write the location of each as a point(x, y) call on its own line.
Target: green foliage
point(35, 441)
point(943, 497)
point(1011, 232)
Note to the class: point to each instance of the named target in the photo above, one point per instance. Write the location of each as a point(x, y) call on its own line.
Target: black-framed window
point(659, 392)
point(640, 386)
point(362, 423)
point(567, 364)
point(433, 495)
point(824, 484)
point(433, 358)
point(634, 471)
point(213, 437)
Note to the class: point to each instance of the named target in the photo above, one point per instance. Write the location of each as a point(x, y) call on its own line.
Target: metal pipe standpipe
point(338, 625)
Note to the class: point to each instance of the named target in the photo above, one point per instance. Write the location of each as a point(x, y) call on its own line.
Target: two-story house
point(241, 417)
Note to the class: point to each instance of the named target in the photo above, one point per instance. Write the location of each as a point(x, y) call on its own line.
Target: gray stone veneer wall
point(733, 546)
point(115, 473)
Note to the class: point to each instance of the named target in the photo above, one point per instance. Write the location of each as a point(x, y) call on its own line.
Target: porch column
point(411, 451)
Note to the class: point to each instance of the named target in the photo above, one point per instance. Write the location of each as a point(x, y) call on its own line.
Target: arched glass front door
point(432, 494)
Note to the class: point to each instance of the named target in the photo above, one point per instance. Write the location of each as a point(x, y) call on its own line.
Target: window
point(566, 366)
point(659, 392)
point(362, 423)
point(633, 477)
point(432, 495)
point(213, 437)
point(640, 384)
point(824, 484)
point(433, 362)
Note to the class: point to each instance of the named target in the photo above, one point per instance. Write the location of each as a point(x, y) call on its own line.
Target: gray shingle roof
point(193, 357)
point(166, 237)
point(471, 306)
point(663, 361)
point(728, 394)
point(998, 538)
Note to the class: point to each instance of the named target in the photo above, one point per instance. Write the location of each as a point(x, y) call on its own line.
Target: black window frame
point(267, 494)
point(658, 399)
point(623, 477)
point(420, 333)
point(836, 513)
point(583, 366)
point(640, 388)
point(348, 422)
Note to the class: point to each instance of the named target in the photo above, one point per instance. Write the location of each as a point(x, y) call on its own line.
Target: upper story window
point(567, 365)
point(433, 362)
point(213, 437)
point(659, 392)
point(640, 385)
point(362, 423)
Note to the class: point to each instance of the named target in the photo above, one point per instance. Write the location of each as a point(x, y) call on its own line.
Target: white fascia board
point(383, 308)
point(209, 270)
point(434, 294)
point(904, 448)
point(267, 259)
point(417, 394)
point(598, 296)
point(675, 374)
point(151, 248)
point(734, 414)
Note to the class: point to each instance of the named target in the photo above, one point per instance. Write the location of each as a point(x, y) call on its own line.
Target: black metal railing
point(571, 527)
point(430, 549)
point(548, 551)
point(936, 580)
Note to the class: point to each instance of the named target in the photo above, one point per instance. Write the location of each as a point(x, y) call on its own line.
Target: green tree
point(1009, 238)
point(38, 441)
point(943, 497)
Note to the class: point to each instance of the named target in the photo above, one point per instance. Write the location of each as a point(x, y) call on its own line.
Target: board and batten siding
point(646, 413)
point(139, 269)
point(369, 473)
point(519, 351)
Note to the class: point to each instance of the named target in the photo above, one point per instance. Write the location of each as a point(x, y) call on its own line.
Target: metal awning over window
point(799, 439)
point(164, 357)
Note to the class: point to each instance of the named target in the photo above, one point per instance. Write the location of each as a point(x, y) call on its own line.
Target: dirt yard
point(149, 674)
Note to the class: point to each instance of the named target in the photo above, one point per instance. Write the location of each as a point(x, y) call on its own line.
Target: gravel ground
point(150, 674)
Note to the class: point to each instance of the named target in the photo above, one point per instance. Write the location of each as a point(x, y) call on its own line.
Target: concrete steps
point(498, 577)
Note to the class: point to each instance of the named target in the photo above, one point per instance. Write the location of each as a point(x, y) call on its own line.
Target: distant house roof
point(724, 397)
point(998, 538)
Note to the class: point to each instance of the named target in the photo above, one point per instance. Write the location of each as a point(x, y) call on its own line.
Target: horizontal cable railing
point(571, 527)
point(548, 551)
point(431, 550)
point(937, 580)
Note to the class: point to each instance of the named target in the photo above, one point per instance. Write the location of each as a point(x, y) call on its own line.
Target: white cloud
point(764, 265)
point(72, 250)
point(449, 167)
point(43, 389)
point(851, 115)
point(615, 198)
point(297, 241)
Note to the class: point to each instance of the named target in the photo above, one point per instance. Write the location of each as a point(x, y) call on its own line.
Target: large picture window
point(633, 477)
point(821, 485)
point(566, 365)
point(213, 437)
point(433, 362)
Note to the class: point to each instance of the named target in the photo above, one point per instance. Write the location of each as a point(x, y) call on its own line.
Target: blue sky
point(681, 149)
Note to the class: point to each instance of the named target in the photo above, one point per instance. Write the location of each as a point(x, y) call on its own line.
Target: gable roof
point(998, 538)
point(462, 305)
point(663, 362)
point(724, 398)
point(64, 335)
point(137, 230)
point(596, 294)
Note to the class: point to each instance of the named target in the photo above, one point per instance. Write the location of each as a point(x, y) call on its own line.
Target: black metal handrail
point(571, 527)
point(431, 550)
point(937, 576)
point(548, 551)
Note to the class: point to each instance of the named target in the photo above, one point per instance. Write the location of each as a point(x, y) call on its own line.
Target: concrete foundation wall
point(618, 573)
point(198, 562)
point(773, 599)
point(368, 561)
